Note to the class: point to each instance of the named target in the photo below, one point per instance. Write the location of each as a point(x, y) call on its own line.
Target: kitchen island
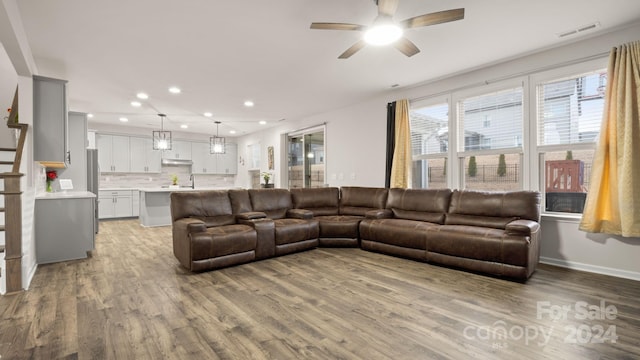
point(155, 205)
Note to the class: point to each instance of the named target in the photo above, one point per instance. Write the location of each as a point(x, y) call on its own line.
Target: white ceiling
point(221, 53)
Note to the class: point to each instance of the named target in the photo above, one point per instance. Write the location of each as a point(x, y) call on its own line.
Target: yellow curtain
point(401, 167)
point(613, 201)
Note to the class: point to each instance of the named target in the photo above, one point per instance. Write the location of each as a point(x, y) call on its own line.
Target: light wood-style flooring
point(131, 300)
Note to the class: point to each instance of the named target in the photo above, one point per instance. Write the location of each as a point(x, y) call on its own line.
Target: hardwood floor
point(131, 300)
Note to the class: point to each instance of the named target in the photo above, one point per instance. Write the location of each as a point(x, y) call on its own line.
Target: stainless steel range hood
point(176, 162)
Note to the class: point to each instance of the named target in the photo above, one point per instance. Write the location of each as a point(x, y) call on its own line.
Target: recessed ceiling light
point(232, 131)
point(142, 96)
point(124, 119)
point(248, 103)
point(184, 126)
point(136, 103)
point(262, 122)
point(208, 114)
point(175, 90)
point(89, 115)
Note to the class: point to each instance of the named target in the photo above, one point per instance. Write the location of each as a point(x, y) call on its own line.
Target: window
point(430, 143)
point(569, 115)
point(490, 129)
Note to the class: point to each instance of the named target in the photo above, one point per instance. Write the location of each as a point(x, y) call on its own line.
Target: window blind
point(491, 121)
point(429, 129)
point(570, 109)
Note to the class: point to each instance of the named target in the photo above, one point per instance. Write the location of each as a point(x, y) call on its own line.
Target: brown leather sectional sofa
point(495, 233)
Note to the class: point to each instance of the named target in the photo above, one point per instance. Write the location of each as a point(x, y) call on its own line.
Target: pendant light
point(162, 139)
point(216, 143)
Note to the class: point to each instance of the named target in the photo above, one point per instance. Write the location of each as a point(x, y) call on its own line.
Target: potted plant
point(174, 181)
point(266, 176)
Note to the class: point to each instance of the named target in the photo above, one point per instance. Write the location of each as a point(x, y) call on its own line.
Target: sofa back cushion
point(492, 209)
point(320, 201)
point(359, 200)
point(273, 202)
point(213, 207)
point(419, 204)
point(240, 201)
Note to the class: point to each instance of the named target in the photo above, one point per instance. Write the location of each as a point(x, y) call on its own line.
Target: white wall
point(356, 138)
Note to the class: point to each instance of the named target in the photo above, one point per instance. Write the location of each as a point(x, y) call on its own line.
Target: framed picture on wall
point(270, 157)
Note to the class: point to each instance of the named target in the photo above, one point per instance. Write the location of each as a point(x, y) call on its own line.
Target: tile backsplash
point(128, 180)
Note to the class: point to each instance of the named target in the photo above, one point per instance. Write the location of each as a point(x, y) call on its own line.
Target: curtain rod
point(512, 76)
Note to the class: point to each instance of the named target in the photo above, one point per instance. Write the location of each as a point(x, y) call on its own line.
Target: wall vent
point(579, 30)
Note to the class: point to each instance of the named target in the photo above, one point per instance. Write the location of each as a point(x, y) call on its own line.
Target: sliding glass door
point(306, 158)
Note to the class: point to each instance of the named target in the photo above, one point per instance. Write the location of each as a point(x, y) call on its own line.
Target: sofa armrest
point(266, 233)
point(379, 214)
point(250, 215)
point(522, 227)
point(186, 226)
point(300, 214)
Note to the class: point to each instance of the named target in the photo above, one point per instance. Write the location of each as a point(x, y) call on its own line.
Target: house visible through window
point(569, 118)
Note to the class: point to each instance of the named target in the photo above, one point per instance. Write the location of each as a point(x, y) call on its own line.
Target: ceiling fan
point(385, 31)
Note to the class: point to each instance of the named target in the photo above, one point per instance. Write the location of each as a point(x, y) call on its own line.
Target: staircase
point(11, 207)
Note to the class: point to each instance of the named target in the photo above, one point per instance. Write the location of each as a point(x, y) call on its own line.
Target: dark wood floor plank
point(131, 300)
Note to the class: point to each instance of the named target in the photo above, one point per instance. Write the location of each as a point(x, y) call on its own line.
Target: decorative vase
point(49, 189)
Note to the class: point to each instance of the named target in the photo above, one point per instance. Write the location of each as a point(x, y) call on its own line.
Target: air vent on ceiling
point(579, 30)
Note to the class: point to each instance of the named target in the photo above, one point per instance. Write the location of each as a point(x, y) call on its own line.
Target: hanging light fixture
point(216, 143)
point(162, 139)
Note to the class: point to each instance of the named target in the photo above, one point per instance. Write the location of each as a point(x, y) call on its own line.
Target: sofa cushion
point(419, 204)
point(320, 201)
point(295, 230)
point(512, 204)
point(339, 226)
point(359, 200)
point(482, 221)
point(240, 201)
point(479, 243)
point(398, 232)
point(273, 202)
point(212, 205)
point(222, 240)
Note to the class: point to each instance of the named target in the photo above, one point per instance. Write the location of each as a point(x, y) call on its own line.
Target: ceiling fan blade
point(352, 50)
point(387, 7)
point(406, 47)
point(335, 26)
point(433, 18)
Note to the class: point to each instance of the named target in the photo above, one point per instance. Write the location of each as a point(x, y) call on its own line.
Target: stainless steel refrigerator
point(93, 179)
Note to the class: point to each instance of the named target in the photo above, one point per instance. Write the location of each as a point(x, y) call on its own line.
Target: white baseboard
point(591, 268)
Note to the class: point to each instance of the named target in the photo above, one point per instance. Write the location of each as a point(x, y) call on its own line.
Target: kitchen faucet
point(193, 181)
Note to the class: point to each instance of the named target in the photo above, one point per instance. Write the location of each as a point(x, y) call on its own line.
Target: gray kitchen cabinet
point(76, 171)
point(203, 161)
point(135, 203)
point(113, 153)
point(179, 150)
point(64, 228)
point(143, 159)
point(50, 122)
point(115, 204)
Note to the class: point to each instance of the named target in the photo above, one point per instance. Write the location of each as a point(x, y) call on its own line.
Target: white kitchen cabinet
point(207, 163)
point(179, 150)
point(203, 161)
point(113, 153)
point(115, 204)
point(135, 203)
point(227, 163)
point(143, 159)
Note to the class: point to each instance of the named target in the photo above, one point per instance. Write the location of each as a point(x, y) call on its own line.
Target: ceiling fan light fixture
point(383, 34)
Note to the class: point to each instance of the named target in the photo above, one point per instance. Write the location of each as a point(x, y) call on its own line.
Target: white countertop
point(66, 195)
point(161, 189)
